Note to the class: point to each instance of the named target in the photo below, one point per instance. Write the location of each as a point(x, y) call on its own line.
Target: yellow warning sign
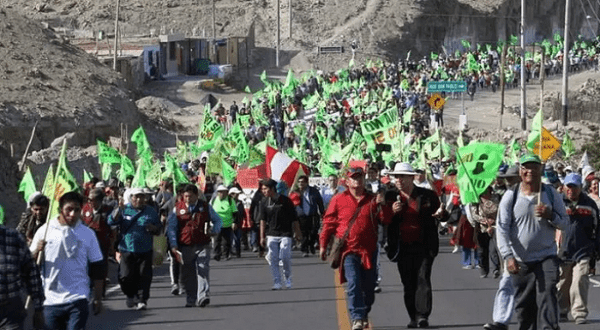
point(436, 101)
point(549, 145)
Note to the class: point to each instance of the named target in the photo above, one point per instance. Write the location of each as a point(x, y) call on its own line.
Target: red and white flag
point(281, 167)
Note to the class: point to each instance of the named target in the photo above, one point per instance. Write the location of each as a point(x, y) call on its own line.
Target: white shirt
point(66, 278)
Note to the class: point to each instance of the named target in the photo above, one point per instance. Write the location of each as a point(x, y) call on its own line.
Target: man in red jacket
point(358, 267)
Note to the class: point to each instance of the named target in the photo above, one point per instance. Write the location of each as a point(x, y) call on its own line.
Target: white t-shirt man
point(67, 254)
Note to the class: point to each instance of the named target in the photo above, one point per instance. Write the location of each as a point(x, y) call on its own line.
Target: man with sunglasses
point(359, 259)
point(526, 227)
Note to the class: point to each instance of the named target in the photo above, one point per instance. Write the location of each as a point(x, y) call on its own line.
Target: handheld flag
point(478, 165)
point(27, 185)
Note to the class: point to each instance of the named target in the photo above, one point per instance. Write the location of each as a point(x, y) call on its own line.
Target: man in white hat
point(227, 210)
point(413, 241)
point(234, 192)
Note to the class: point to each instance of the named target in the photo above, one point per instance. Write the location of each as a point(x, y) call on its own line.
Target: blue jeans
point(469, 257)
point(280, 248)
point(360, 286)
point(71, 316)
point(195, 272)
point(504, 302)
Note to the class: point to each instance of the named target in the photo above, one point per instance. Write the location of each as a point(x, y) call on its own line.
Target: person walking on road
point(189, 230)
point(34, 217)
point(526, 229)
point(137, 223)
point(71, 257)
point(309, 213)
point(356, 215)
point(278, 224)
point(578, 245)
point(227, 209)
point(18, 269)
point(413, 241)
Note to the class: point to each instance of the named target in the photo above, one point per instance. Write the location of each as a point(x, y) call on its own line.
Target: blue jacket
point(135, 236)
point(315, 202)
point(580, 238)
point(173, 224)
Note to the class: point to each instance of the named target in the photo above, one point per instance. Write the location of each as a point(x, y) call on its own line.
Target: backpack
point(516, 189)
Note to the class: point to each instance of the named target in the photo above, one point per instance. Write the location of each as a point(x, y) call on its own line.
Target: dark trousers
point(226, 235)
point(483, 252)
point(71, 316)
point(12, 314)
point(536, 304)
point(135, 273)
point(309, 226)
point(495, 258)
point(414, 266)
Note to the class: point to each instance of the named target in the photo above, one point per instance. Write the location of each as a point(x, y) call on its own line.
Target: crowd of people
point(535, 227)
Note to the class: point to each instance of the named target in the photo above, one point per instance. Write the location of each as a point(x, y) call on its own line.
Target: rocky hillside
point(386, 28)
point(44, 78)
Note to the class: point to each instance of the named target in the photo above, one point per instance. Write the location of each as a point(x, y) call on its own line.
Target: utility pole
point(278, 34)
point(290, 4)
point(523, 90)
point(502, 80)
point(542, 78)
point(116, 35)
point(214, 13)
point(565, 87)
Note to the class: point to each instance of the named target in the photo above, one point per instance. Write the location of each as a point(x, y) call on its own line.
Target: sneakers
point(455, 250)
point(496, 274)
point(377, 289)
point(276, 286)
point(563, 318)
point(175, 289)
point(357, 325)
point(141, 306)
point(203, 302)
point(423, 323)
point(255, 249)
point(412, 324)
point(580, 320)
point(288, 283)
point(305, 255)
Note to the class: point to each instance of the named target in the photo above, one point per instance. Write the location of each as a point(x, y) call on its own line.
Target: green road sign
point(446, 86)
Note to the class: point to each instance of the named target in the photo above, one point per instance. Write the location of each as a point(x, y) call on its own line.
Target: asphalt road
point(241, 299)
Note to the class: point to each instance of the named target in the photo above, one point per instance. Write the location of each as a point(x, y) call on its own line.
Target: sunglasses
point(356, 170)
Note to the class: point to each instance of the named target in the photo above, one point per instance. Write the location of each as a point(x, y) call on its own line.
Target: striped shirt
point(18, 269)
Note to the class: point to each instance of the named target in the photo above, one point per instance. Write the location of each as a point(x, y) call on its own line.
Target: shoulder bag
point(335, 255)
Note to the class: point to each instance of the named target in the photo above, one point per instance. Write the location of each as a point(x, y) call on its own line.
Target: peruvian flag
point(281, 167)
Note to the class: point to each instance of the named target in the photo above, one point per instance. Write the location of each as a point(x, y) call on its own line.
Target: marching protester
point(72, 262)
point(579, 244)
point(413, 241)
point(227, 209)
point(34, 217)
point(353, 216)
point(190, 226)
point(278, 225)
point(329, 190)
point(483, 217)
point(137, 223)
point(95, 215)
point(234, 193)
point(309, 208)
point(19, 271)
point(528, 216)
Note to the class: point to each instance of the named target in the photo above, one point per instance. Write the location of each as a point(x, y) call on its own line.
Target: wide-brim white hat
point(403, 169)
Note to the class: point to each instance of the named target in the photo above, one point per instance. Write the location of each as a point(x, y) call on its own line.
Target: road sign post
point(451, 87)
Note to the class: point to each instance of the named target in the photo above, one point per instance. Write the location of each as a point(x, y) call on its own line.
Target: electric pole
point(565, 87)
point(116, 35)
point(278, 35)
point(523, 86)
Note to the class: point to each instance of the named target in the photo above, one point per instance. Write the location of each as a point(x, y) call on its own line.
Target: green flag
point(558, 38)
point(172, 170)
point(210, 131)
point(139, 179)
point(536, 131)
point(247, 90)
point(513, 40)
point(27, 185)
point(459, 140)
point(214, 165)
point(434, 56)
point(478, 165)
point(141, 141)
point(64, 181)
point(229, 173)
point(466, 44)
point(106, 171)
point(49, 181)
point(153, 177)
point(407, 117)
point(107, 154)
point(87, 177)
point(2, 221)
point(127, 168)
point(567, 146)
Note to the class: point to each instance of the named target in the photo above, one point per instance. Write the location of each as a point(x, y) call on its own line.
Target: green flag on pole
point(107, 154)
point(229, 173)
point(87, 177)
point(567, 146)
point(64, 181)
point(127, 168)
point(141, 141)
point(478, 165)
point(27, 185)
point(2, 221)
point(536, 132)
point(48, 182)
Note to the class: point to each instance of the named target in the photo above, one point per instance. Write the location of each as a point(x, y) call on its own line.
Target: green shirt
point(225, 209)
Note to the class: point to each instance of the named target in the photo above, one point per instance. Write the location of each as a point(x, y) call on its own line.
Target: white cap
point(403, 169)
point(100, 184)
point(222, 188)
point(136, 191)
point(234, 190)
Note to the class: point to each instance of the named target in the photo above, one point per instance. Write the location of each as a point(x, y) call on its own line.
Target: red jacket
point(362, 239)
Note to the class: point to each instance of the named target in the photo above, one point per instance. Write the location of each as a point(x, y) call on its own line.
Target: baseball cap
point(234, 190)
point(222, 188)
point(530, 158)
point(573, 179)
point(355, 171)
